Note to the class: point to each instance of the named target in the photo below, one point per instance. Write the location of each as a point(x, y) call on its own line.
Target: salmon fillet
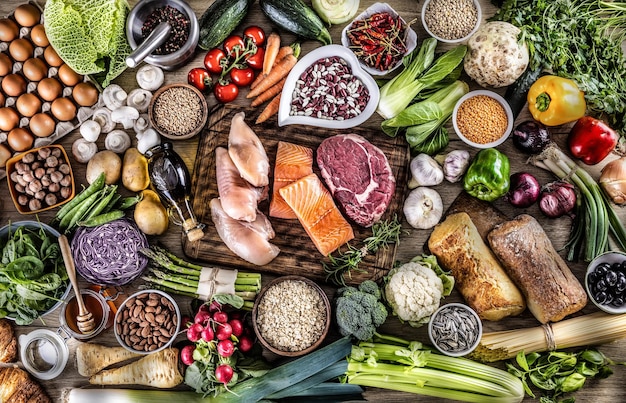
point(292, 163)
point(316, 210)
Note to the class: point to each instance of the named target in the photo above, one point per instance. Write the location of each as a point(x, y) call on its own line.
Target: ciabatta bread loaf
point(16, 386)
point(478, 275)
point(8, 342)
point(552, 292)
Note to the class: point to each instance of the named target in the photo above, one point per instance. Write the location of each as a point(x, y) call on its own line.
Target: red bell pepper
point(591, 140)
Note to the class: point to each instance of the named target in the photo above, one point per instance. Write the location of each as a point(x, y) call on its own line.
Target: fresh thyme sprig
point(384, 233)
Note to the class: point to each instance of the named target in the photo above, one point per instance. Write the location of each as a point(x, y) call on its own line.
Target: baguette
point(552, 292)
point(478, 275)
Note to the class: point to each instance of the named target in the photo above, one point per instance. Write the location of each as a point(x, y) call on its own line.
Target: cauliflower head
point(414, 292)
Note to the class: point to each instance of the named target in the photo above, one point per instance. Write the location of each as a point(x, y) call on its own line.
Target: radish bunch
point(219, 340)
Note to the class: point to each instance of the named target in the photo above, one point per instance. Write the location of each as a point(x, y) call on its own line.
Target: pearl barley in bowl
point(451, 21)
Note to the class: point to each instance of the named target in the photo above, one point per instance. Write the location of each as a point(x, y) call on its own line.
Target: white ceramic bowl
point(610, 258)
point(411, 36)
point(454, 316)
point(4, 231)
point(284, 116)
point(458, 40)
point(501, 101)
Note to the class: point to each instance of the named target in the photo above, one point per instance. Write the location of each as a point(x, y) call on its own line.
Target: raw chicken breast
point(247, 152)
point(249, 241)
point(238, 197)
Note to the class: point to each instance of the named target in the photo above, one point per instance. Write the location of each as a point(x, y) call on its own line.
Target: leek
point(397, 364)
point(335, 11)
point(422, 70)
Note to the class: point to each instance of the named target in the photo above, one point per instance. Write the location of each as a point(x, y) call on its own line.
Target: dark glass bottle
point(170, 178)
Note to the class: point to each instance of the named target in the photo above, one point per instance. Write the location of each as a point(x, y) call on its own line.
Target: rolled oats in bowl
point(291, 316)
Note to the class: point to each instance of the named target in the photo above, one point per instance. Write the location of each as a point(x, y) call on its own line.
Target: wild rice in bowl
point(291, 315)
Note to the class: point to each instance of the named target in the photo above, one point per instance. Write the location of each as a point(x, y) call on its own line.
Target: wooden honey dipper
point(84, 319)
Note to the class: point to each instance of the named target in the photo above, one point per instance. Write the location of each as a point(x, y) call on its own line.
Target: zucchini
point(517, 92)
point(296, 17)
point(220, 20)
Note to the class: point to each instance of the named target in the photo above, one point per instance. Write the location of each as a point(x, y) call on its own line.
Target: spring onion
point(335, 11)
point(422, 70)
point(397, 364)
point(595, 217)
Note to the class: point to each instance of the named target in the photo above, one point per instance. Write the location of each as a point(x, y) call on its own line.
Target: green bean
point(70, 219)
point(95, 186)
point(98, 208)
point(102, 218)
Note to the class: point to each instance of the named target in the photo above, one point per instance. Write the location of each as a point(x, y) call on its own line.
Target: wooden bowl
point(11, 167)
point(180, 112)
point(290, 305)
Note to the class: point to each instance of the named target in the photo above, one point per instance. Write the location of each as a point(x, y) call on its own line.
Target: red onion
point(524, 189)
point(557, 199)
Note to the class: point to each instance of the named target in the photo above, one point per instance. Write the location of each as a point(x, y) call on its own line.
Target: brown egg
point(28, 104)
point(42, 125)
point(68, 76)
point(2, 99)
point(27, 15)
point(14, 85)
point(85, 94)
point(52, 57)
point(49, 89)
point(8, 118)
point(63, 109)
point(6, 65)
point(8, 30)
point(21, 49)
point(20, 139)
point(5, 154)
point(38, 36)
point(35, 69)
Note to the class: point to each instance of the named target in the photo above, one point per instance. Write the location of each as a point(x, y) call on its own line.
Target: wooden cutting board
point(298, 255)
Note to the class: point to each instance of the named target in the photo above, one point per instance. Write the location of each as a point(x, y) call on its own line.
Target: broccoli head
point(360, 311)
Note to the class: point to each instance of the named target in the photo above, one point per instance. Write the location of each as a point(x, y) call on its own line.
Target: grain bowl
point(455, 329)
point(40, 179)
point(147, 322)
point(605, 282)
point(451, 21)
point(178, 111)
point(291, 316)
point(482, 119)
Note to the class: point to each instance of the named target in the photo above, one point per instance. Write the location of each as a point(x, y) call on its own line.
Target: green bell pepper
point(487, 177)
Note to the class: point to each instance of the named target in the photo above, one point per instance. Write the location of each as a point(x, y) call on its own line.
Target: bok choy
point(422, 70)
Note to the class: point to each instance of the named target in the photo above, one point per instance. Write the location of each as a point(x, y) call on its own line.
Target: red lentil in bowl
point(291, 316)
point(482, 119)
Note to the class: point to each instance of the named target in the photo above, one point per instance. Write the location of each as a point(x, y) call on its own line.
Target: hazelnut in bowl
point(605, 282)
point(40, 179)
point(291, 316)
point(482, 119)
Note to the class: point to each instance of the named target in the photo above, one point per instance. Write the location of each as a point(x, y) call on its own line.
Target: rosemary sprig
point(384, 233)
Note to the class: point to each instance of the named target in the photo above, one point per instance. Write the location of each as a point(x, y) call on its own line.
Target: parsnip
point(91, 358)
point(158, 370)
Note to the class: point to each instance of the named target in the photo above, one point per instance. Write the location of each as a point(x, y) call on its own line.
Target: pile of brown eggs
point(39, 94)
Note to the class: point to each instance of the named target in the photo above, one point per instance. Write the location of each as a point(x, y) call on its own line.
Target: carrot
point(270, 109)
point(282, 53)
point(270, 93)
point(272, 48)
point(279, 71)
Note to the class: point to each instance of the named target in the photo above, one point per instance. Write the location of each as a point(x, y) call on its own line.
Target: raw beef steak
point(358, 176)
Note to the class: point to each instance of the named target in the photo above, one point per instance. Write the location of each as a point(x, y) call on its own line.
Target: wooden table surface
point(412, 242)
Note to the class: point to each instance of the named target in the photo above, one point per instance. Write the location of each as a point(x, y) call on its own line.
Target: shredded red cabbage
point(108, 254)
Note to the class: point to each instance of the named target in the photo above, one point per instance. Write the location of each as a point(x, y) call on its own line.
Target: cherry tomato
point(256, 34)
point(242, 77)
point(200, 78)
point(231, 42)
point(256, 60)
point(225, 92)
point(213, 60)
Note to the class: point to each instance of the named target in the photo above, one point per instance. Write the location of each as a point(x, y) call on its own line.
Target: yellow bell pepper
point(554, 100)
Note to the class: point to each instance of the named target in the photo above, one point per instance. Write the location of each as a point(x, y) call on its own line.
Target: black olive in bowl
point(606, 282)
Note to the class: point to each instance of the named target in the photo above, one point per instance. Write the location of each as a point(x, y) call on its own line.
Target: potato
point(104, 161)
point(135, 171)
point(150, 215)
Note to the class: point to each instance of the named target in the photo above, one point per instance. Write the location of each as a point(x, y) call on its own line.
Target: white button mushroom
point(150, 77)
point(114, 96)
point(117, 141)
point(90, 130)
point(83, 150)
point(103, 117)
point(126, 115)
point(147, 139)
point(139, 99)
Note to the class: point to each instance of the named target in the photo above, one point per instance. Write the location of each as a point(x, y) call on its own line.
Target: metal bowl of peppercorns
point(40, 179)
point(181, 43)
point(606, 282)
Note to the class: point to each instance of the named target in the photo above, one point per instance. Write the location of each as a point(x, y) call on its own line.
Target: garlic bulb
point(425, 171)
point(423, 208)
point(454, 164)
